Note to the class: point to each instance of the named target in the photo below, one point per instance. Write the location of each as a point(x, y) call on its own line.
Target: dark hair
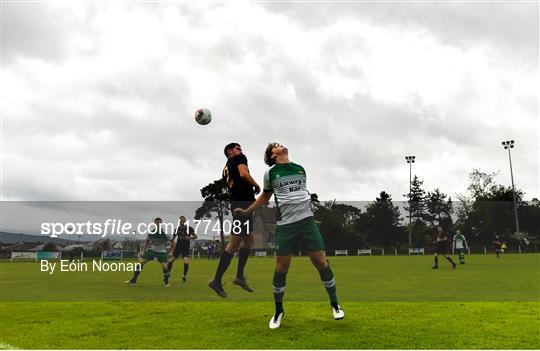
point(268, 154)
point(230, 146)
point(157, 219)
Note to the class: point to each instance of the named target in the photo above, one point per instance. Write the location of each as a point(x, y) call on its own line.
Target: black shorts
point(245, 226)
point(181, 249)
point(441, 250)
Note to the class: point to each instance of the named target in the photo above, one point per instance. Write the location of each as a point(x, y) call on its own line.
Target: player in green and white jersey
point(155, 247)
point(460, 244)
point(295, 225)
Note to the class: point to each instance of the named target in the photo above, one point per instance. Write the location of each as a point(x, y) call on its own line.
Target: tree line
point(483, 212)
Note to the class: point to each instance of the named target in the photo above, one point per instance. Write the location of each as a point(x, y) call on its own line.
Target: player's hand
point(240, 212)
point(257, 189)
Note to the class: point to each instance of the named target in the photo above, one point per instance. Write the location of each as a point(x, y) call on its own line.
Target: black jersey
point(181, 233)
point(239, 189)
point(442, 242)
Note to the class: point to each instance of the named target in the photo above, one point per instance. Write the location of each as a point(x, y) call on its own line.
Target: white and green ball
point(203, 116)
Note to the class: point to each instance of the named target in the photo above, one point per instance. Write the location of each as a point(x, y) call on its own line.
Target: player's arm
point(192, 235)
point(171, 246)
point(144, 246)
point(261, 200)
point(244, 174)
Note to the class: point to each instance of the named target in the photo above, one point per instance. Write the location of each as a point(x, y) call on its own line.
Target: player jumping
point(242, 189)
point(460, 244)
point(441, 248)
point(183, 235)
point(154, 247)
point(295, 223)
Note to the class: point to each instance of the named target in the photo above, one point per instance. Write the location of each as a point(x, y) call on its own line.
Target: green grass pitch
point(390, 302)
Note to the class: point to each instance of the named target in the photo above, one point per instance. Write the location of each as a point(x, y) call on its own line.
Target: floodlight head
point(512, 142)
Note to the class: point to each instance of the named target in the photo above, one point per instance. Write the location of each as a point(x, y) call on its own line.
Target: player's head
point(439, 230)
point(232, 150)
point(272, 151)
point(458, 231)
point(157, 221)
point(182, 220)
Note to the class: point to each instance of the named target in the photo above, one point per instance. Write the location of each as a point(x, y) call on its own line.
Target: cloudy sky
point(98, 98)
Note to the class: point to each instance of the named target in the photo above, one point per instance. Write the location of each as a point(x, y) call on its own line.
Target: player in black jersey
point(497, 242)
point(242, 189)
point(441, 248)
point(183, 235)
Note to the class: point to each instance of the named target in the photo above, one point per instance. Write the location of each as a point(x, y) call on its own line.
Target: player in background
point(460, 244)
point(183, 235)
point(497, 242)
point(154, 247)
point(242, 188)
point(441, 248)
point(295, 224)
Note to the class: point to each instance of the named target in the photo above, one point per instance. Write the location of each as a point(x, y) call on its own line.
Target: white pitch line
point(4, 346)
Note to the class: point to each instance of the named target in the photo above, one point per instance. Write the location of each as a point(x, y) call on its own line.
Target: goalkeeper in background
point(460, 244)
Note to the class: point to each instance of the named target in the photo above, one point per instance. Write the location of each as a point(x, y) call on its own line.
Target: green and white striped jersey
point(157, 241)
point(459, 241)
point(288, 182)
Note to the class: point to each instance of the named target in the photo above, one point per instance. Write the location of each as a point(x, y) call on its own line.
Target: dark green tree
point(339, 225)
point(488, 209)
point(529, 217)
point(382, 222)
point(216, 202)
point(439, 210)
point(416, 204)
point(416, 201)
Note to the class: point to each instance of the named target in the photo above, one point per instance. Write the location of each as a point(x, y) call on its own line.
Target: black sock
point(136, 273)
point(224, 262)
point(186, 268)
point(279, 307)
point(169, 266)
point(327, 278)
point(278, 286)
point(243, 255)
point(436, 258)
point(166, 274)
point(450, 260)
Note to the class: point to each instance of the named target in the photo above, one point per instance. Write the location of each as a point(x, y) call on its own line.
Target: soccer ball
point(203, 116)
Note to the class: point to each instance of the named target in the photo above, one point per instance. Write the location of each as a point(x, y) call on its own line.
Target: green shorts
point(302, 235)
point(149, 255)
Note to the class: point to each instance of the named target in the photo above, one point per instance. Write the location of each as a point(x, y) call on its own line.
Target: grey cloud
point(130, 134)
point(512, 25)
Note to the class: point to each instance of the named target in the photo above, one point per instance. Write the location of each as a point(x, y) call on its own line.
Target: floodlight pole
point(410, 161)
point(509, 144)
